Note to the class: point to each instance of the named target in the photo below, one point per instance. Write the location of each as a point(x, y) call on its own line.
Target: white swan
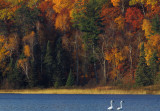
point(120, 108)
point(111, 107)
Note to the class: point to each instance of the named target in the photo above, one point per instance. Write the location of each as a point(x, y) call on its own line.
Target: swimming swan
point(111, 107)
point(120, 108)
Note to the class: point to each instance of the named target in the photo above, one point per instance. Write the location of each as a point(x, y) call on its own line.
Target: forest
point(65, 43)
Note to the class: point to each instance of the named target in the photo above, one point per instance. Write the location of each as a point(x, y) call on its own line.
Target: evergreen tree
point(10, 72)
point(18, 78)
point(70, 80)
point(49, 65)
point(89, 21)
point(156, 24)
point(153, 65)
point(35, 75)
point(33, 82)
point(28, 23)
point(143, 75)
point(59, 69)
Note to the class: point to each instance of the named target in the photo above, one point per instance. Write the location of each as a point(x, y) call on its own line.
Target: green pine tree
point(156, 24)
point(49, 65)
point(59, 69)
point(18, 78)
point(35, 76)
point(10, 72)
point(89, 21)
point(58, 82)
point(153, 65)
point(70, 80)
point(143, 75)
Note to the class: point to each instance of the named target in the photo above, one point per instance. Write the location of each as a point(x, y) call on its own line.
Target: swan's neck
point(121, 104)
point(111, 104)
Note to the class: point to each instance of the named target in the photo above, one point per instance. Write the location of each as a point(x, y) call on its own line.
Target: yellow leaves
point(6, 14)
point(29, 39)
point(7, 46)
point(151, 2)
point(151, 45)
point(22, 62)
point(155, 40)
point(2, 39)
point(27, 51)
point(64, 10)
point(115, 3)
point(30, 3)
point(146, 2)
point(114, 56)
point(62, 21)
point(62, 4)
point(120, 21)
point(146, 26)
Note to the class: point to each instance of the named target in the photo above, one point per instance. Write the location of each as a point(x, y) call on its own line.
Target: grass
point(98, 90)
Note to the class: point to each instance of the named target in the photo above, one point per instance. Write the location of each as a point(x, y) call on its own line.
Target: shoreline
point(80, 91)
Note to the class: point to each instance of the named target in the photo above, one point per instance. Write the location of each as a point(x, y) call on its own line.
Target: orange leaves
point(21, 63)
point(109, 14)
point(63, 21)
point(120, 21)
point(4, 4)
point(151, 45)
point(115, 2)
point(63, 9)
point(45, 6)
point(114, 56)
point(134, 17)
point(62, 4)
point(146, 26)
point(7, 46)
point(29, 39)
point(153, 11)
point(27, 51)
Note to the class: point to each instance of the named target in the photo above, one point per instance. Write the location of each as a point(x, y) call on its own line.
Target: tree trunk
point(104, 70)
point(27, 71)
point(131, 61)
point(95, 66)
point(123, 7)
point(143, 9)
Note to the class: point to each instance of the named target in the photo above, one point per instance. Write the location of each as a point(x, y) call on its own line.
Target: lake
point(53, 102)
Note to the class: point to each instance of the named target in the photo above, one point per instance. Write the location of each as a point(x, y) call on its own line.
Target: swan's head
point(122, 101)
point(112, 101)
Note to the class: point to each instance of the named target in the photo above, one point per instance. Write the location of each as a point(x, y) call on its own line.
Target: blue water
point(53, 102)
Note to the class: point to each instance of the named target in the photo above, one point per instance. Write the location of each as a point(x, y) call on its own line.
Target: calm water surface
point(53, 102)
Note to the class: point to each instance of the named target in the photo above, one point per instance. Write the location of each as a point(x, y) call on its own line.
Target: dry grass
point(99, 90)
point(81, 91)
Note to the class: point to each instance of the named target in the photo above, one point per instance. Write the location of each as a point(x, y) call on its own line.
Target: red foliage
point(109, 14)
point(4, 4)
point(45, 6)
point(134, 17)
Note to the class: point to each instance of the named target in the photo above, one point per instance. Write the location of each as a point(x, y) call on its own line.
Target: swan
point(111, 107)
point(120, 108)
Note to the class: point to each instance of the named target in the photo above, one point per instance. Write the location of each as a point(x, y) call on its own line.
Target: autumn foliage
point(43, 41)
point(134, 17)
